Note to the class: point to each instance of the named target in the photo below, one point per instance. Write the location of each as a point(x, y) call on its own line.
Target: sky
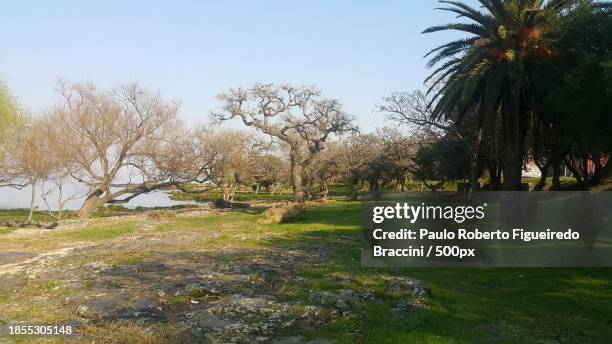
point(355, 51)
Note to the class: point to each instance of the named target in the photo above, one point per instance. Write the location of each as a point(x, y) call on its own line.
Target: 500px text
point(425, 251)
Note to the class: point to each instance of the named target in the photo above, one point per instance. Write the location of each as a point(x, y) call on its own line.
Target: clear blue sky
point(356, 51)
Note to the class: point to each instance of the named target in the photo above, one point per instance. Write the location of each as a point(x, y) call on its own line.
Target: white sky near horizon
point(355, 51)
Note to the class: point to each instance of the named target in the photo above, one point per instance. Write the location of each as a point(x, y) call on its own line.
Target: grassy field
point(296, 267)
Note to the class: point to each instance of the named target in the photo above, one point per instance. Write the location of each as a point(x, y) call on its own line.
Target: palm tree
point(489, 71)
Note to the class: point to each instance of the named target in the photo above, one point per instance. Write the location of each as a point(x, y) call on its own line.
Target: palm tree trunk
point(513, 152)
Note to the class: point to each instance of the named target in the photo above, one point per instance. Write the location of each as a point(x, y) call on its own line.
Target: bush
point(284, 212)
point(114, 207)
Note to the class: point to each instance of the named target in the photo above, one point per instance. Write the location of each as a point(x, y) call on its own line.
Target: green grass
point(100, 232)
point(22, 215)
point(468, 305)
point(4, 230)
point(211, 196)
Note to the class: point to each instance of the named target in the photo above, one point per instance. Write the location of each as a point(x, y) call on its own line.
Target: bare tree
point(356, 154)
point(270, 172)
point(413, 111)
point(59, 176)
point(235, 154)
point(31, 163)
point(297, 116)
point(123, 142)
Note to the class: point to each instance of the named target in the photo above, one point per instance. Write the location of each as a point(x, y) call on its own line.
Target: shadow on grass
point(468, 304)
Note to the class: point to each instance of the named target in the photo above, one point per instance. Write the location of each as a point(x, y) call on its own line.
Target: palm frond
point(469, 12)
point(444, 66)
point(447, 53)
point(467, 42)
point(475, 29)
point(496, 8)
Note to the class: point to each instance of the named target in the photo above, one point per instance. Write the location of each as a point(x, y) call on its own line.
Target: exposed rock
point(323, 298)
point(342, 304)
point(14, 257)
point(400, 285)
point(404, 306)
point(346, 293)
point(98, 266)
point(97, 309)
point(267, 272)
point(144, 305)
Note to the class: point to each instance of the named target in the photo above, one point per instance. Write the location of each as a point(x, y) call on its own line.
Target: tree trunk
point(32, 201)
point(569, 164)
point(556, 182)
point(324, 191)
point(350, 184)
point(474, 174)
point(60, 201)
point(513, 153)
point(296, 177)
point(543, 176)
point(494, 175)
point(93, 202)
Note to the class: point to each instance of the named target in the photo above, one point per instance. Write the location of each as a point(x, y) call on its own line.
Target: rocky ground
point(171, 280)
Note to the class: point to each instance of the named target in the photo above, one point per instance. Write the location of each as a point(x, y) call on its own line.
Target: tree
point(412, 111)
point(357, 151)
point(59, 173)
point(9, 115)
point(297, 116)
point(32, 163)
point(493, 68)
point(123, 142)
point(270, 172)
point(235, 154)
point(327, 168)
point(444, 160)
point(8, 109)
point(578, 97)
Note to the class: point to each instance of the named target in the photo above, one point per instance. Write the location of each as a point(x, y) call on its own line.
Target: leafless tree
point(59, 174)
point(123, 142)
point(30, 155)
point(235, 154)
point(297, 116)
point(413, 112)
point(270, 172)
point(356, 154)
